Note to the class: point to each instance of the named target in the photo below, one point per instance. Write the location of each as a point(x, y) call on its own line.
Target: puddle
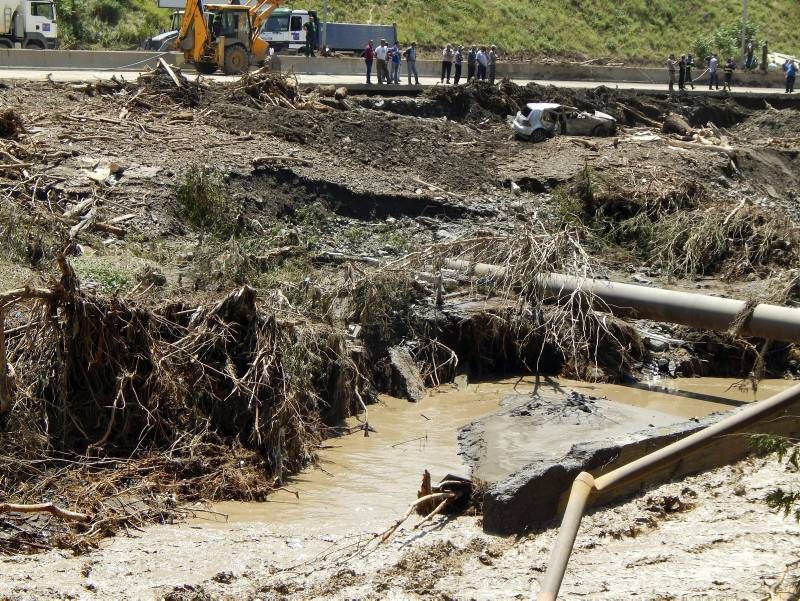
point(364, 482)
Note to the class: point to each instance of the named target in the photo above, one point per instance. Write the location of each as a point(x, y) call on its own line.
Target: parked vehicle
point(165, 41)
point(28, 24)
point(540, 120)
point(284, 32)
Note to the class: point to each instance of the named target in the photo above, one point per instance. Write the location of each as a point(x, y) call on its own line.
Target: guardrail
point(586, 485)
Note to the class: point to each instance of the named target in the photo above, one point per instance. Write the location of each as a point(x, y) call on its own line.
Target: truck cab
point(283, 30)
point(28, 24)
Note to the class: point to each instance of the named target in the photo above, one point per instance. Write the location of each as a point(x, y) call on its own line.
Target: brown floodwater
point(365, 481)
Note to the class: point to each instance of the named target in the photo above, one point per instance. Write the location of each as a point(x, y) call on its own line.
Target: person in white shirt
point(483, 60)
point(447, 62)
point(381, 53)
point(672, 65)
point(713, 76)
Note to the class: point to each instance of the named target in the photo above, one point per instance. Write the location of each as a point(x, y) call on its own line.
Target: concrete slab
point(530, 498)
point(120, 60)
point(528, 429)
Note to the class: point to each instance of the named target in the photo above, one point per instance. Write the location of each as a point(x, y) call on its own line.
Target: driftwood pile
point(10, 124)
point(183, 401)
point(166, 81)
point(268, 88)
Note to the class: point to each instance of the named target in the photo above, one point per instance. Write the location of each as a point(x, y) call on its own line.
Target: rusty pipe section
point(585, 484)
point(642, 302)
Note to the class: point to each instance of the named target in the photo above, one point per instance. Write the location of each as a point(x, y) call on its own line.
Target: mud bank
point(317, 546)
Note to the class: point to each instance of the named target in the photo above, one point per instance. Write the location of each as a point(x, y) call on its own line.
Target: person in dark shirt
point(689, 65)
point(369, 55)
point(790, 68)
point(682, 73)
point(728, 70)
point(472, 60)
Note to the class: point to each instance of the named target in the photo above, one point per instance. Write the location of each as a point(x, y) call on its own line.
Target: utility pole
point(744, 28)
point(324, 42)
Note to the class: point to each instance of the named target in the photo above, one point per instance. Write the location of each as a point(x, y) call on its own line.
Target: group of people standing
point(683, 67)
point(683, 70)
point(481, 63)
point(388, 60)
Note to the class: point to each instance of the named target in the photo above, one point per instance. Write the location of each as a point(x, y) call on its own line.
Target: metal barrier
point(585, 484)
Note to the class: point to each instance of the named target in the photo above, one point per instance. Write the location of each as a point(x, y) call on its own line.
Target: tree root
point(50, 508)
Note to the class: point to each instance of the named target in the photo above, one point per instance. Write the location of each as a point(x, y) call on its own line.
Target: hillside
point(628, 29)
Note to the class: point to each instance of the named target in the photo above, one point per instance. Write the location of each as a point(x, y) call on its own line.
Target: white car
point(540, 120)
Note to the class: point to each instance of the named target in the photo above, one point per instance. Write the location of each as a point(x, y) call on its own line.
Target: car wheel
point(538, 135)
point(600, 131)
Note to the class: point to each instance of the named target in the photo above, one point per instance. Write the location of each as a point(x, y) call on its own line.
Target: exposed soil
point(709, 535)
point(220, 272)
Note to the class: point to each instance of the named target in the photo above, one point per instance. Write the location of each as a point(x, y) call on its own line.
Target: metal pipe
point(578, 498)
point(579, 494)
point(642, 302)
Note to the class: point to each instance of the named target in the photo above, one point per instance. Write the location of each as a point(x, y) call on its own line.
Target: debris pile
point(166, 81)
point(269, 88)
point(11, 125)
point(223, 401)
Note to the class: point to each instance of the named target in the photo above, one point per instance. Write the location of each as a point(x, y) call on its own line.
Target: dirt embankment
point(236, 263)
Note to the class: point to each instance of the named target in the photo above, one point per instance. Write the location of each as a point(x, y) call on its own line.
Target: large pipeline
point(641, 302)
point(586, 485)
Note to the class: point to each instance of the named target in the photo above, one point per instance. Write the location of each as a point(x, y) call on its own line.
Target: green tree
point(725, 41)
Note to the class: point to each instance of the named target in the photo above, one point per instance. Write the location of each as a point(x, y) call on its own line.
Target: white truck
point(28, 24)
point(284, 32)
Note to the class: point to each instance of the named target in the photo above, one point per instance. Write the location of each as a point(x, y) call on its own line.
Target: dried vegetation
point(122, 402)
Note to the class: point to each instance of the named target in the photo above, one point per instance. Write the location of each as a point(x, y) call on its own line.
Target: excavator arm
point(260, 10)
point(194, 37)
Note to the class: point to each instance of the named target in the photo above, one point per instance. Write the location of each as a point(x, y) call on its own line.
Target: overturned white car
point(540, 120)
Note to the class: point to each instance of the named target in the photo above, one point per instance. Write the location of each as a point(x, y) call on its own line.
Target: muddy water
point(365, 481)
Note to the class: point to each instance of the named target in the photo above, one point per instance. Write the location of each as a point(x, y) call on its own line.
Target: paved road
point(80, 75)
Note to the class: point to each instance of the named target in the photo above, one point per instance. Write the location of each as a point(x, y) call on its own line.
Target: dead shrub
point(11, 125)
point(223, 401)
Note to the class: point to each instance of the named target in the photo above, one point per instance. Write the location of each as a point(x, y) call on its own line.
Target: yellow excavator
point(224, 36)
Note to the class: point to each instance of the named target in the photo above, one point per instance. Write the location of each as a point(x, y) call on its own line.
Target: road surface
point(81, 75)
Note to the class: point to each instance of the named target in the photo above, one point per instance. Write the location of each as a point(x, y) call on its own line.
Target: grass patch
point(629, 29)
point(205, 204)
point(118, 24)
point(110, 274)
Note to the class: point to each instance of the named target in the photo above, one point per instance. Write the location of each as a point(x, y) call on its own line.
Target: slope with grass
point(631, 29)
point(117, 24)
point(645, 30)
